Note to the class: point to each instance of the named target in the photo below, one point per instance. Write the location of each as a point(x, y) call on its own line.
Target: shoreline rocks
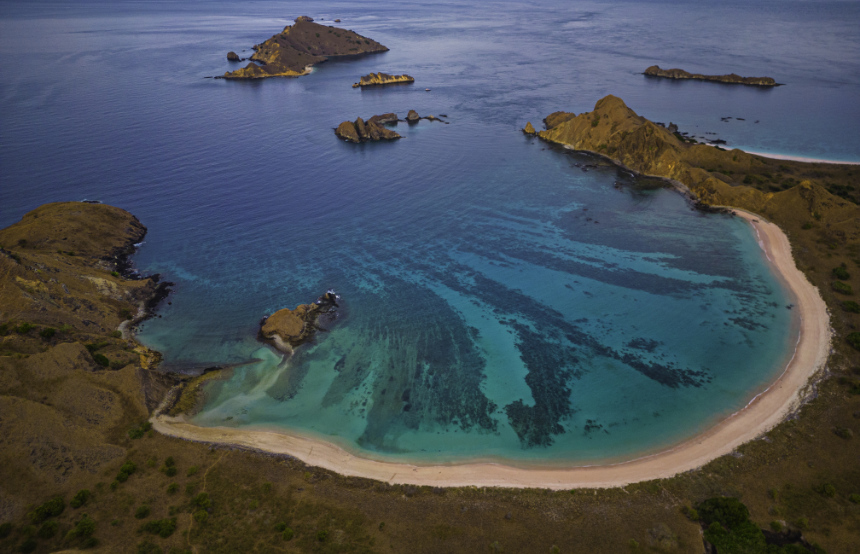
point(300, 46)
point(381, 79)
point(732, 79)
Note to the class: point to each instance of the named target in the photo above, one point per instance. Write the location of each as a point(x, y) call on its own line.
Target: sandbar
point(762, 413)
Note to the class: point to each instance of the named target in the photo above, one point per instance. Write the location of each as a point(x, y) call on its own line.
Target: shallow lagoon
point(498, 300)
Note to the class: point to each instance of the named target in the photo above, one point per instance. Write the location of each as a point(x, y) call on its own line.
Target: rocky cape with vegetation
point(732, 79)
point(379, 79)
point(286, 329)
point(294, 50)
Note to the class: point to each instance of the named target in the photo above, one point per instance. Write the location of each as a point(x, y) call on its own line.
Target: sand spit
point(762, 413)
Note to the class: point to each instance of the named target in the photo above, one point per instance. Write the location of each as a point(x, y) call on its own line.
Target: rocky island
point(287, 329)
point(732, 79)
point(293, 51)
point(377, 79)
point(374, 128)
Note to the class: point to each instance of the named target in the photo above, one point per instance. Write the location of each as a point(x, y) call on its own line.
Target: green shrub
point(139, 431)
point(117, 334)
point(202, 500)
point(114, 273)
point(691, 513)
point(127, 469)
point(101, 359)
point(114, 485)
point(147, 547)
point(842, 288)
point(27, 546)
point(48, 529)
point(854, 339)
point(51, 508)
point(633, 544)
point(201, 516)
point(280, 527)
point(47, 332)
point(161, 527)
point(729, 527)
point(322, 535)
point(169, 462)
point(851, 306)
point(827, 490)
point(807, 226)
point(803, 523)
point(4, 329)
point(190, 488)
point(5, 530)
point(142, 512)
point(193, 470)
point(855, 498)
point(84, 528)
point(776, 526)
point(170, 471)
point(595, 122)
point(172, 488)
point(844, 433)
point(125, 313)
point(80, 498)
point(288, 534)
point(841, 273)
point(24, 328)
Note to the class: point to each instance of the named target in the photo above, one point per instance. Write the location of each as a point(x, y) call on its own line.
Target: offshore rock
point(375, 79)
point(233, 57)
point(371, 130)
point(655, 71)
point(529, 129)
point(412, 116)
point(300, 46)
point(287, 329)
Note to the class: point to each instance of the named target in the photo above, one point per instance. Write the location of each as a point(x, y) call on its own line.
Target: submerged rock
point(375, 79)
point(655, 71)
point(292, 52)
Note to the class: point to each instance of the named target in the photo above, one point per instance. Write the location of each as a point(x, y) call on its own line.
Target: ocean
point(500, 298)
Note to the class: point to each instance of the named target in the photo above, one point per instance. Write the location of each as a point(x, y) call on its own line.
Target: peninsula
point(732, 79)
point(377, 79)
point(297, 48)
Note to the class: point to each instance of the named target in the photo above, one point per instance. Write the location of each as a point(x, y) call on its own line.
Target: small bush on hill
point(80, 498)
point(51, 508)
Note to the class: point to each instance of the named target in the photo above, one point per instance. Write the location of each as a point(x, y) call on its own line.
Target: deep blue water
point(497, 300)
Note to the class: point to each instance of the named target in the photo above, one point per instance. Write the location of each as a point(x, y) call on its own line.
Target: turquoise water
point(497, 300)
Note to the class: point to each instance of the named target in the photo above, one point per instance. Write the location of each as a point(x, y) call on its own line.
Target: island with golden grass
point(730, 79)
point(380, 79)
point(297, 48)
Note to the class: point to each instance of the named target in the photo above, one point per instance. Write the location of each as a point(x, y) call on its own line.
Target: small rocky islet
point(731, 78)
point(293, 51)
point(374, 129)
point(380, 79)
point(286, 329)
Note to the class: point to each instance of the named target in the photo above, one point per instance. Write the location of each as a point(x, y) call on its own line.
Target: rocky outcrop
point(286, 329)
point(655, 71)
point(299, 46)
point(366, 131)
point(412, 116)
point(556, 118)
point(376, 79)
point(233, 57)
point(529, 129)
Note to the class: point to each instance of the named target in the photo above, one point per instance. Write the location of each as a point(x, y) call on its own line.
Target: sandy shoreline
point(764, 412)
point(800, 159)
